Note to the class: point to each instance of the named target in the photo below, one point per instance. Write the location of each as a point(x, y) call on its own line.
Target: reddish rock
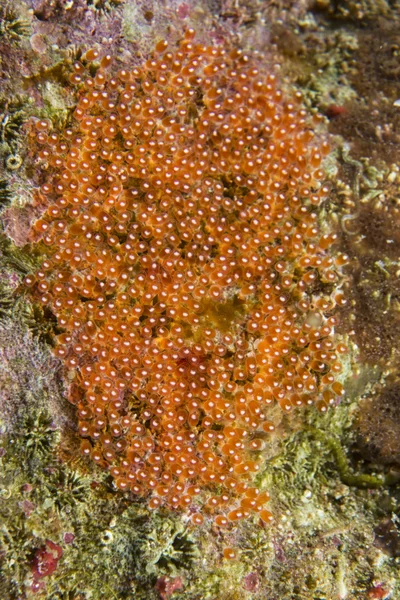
point(166, 586)
point(46, 560)
point(250, 582)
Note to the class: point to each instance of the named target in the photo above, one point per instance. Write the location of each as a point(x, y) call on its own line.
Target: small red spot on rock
point(37, 586)
point(183, 10)
point(27, 507)
point(46, 560)
point(250, 582)
point(68, 537)
point(335, 110)
point(378, 592)
point(166, 586)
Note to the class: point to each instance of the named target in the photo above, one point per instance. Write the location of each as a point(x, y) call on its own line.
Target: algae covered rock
point(252, 271)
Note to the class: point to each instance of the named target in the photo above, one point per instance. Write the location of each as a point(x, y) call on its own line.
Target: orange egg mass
point(183, 258)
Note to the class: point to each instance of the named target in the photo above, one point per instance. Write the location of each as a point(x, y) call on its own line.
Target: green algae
point(307, 495)
point(12, 24)
point(223, 315)
point(347, 476)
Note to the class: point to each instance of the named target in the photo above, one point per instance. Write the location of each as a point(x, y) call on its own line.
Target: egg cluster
point(184, 261)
